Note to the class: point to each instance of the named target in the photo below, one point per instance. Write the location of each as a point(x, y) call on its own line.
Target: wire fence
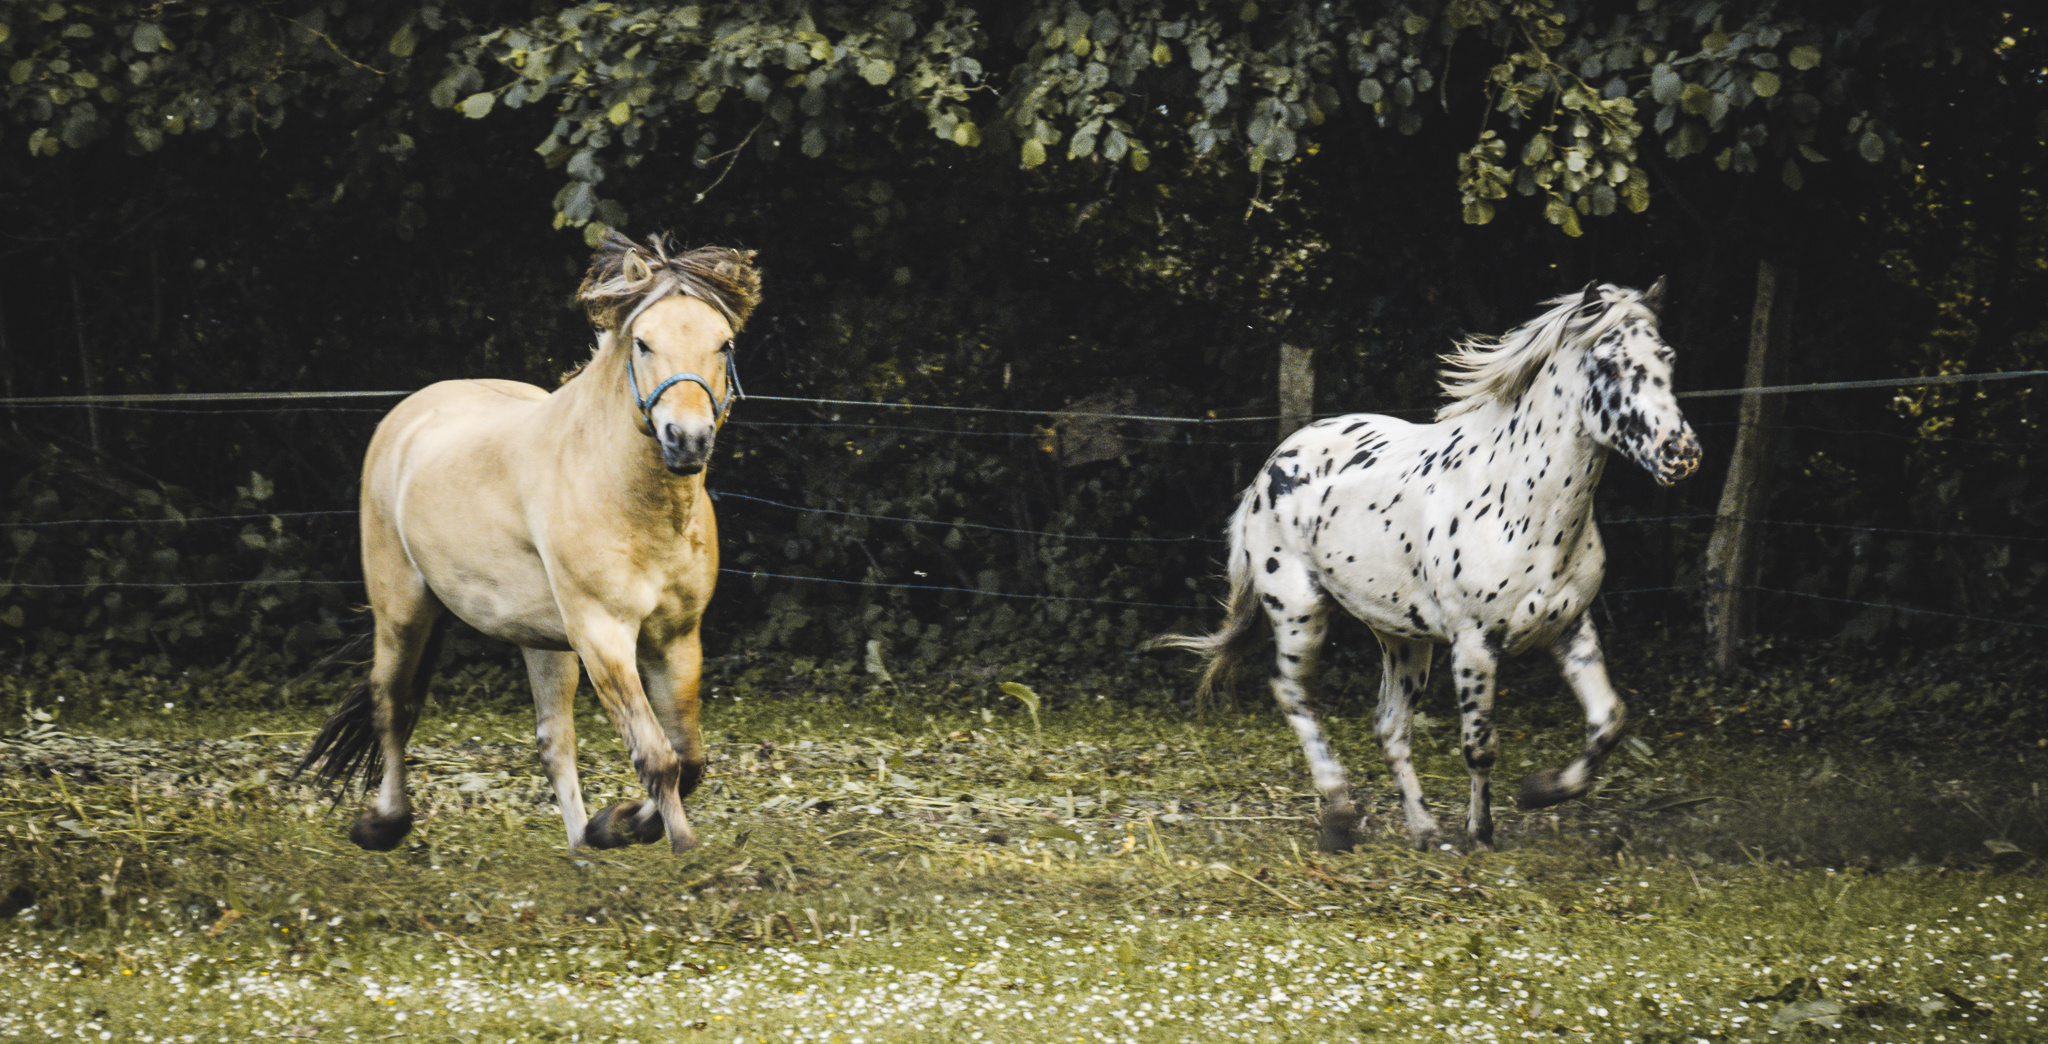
point(203, 404)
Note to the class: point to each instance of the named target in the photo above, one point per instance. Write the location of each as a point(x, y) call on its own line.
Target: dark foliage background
point(1034, 207)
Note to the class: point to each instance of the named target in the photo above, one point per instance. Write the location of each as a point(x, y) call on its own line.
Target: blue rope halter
point(718, 406)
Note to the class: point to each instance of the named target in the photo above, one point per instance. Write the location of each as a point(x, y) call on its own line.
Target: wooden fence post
point(1297, 388)
point(1732, 550)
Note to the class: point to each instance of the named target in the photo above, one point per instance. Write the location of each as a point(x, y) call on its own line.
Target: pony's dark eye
point(642, 345)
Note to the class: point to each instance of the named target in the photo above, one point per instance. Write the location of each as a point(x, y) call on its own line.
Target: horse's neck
point(606, 455)
point(1559, 464)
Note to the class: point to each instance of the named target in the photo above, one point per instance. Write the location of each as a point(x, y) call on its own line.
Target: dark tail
point(1221, 649)
point(347, 745)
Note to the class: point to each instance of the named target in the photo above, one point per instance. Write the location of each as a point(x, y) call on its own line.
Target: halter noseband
point(718, 405)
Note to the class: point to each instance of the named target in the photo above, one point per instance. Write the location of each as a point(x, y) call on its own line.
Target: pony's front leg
point(1404, 672)
point(554, 676)
point(608, 649)
point(1476, 665)
point(1585, 670)
point(673, 679)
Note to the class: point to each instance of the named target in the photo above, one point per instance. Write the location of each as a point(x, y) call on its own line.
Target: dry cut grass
point(889, 876)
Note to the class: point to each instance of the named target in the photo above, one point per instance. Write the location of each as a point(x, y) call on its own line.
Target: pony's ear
point(1591, 297)
point(618, 269)
point(1653, 298)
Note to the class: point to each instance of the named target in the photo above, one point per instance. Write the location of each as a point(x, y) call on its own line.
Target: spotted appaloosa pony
point(574, 524)
point(1476, 531)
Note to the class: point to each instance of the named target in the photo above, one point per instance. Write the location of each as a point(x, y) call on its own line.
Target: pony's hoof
point(616, 826)
point(1428, 836)
point(1543, 789)
point(376, 833)
point(1340, 832)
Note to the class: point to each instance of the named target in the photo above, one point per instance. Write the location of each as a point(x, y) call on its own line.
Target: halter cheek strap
point(718, 405)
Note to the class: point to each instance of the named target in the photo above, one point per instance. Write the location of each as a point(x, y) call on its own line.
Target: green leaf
point(1765, 84)
point(1870, 146)
point(1804, 56)
point(1414, 24)
point(1478, 212)
point(1715, 41)
point(147, 37)
point(403, 41)
point(1034, 153)
point(1635, 192)
point(1695, 99)
point(618, 114)
point(581, 202)
point(20, 71)
point(1249, 12)
point(1812, 154)
point(1999, 847)
point(478, 105)
point(1665, 85)
point(1162, 54)
point(1793, 177)
point(877, 71)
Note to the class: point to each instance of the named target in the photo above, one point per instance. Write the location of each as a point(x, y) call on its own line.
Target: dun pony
point(573, 524)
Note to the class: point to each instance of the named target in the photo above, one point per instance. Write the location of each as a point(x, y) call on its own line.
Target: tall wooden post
point(1297, 388)
point(1732, 551)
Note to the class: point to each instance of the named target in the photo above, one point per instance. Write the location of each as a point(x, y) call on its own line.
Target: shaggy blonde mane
point(625, 278)
point(1484, 369)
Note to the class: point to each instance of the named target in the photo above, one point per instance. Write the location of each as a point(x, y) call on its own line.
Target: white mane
point(1488, 369)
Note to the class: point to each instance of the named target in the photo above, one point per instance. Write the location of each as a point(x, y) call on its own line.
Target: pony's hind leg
point(1579, 659)
point(1299, 616)
point(406, 629)
point(1404, 671)
point(1476, 665)
point(554, 676)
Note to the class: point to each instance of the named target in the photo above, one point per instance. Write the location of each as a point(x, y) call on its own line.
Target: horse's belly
point(1534, 617)
point(505, 605)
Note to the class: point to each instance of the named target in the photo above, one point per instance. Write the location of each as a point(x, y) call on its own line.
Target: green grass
point(899, 871)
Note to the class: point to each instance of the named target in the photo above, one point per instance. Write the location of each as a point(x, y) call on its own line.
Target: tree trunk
point(1732, 551)
point(1297, 388)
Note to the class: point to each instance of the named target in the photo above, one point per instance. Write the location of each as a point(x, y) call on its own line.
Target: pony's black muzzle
point(686, 451)
point(1678, 457)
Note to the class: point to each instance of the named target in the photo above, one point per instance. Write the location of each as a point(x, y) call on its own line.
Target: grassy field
point(903, 872)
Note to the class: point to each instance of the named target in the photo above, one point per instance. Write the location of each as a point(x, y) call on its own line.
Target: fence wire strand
point(174, 404)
